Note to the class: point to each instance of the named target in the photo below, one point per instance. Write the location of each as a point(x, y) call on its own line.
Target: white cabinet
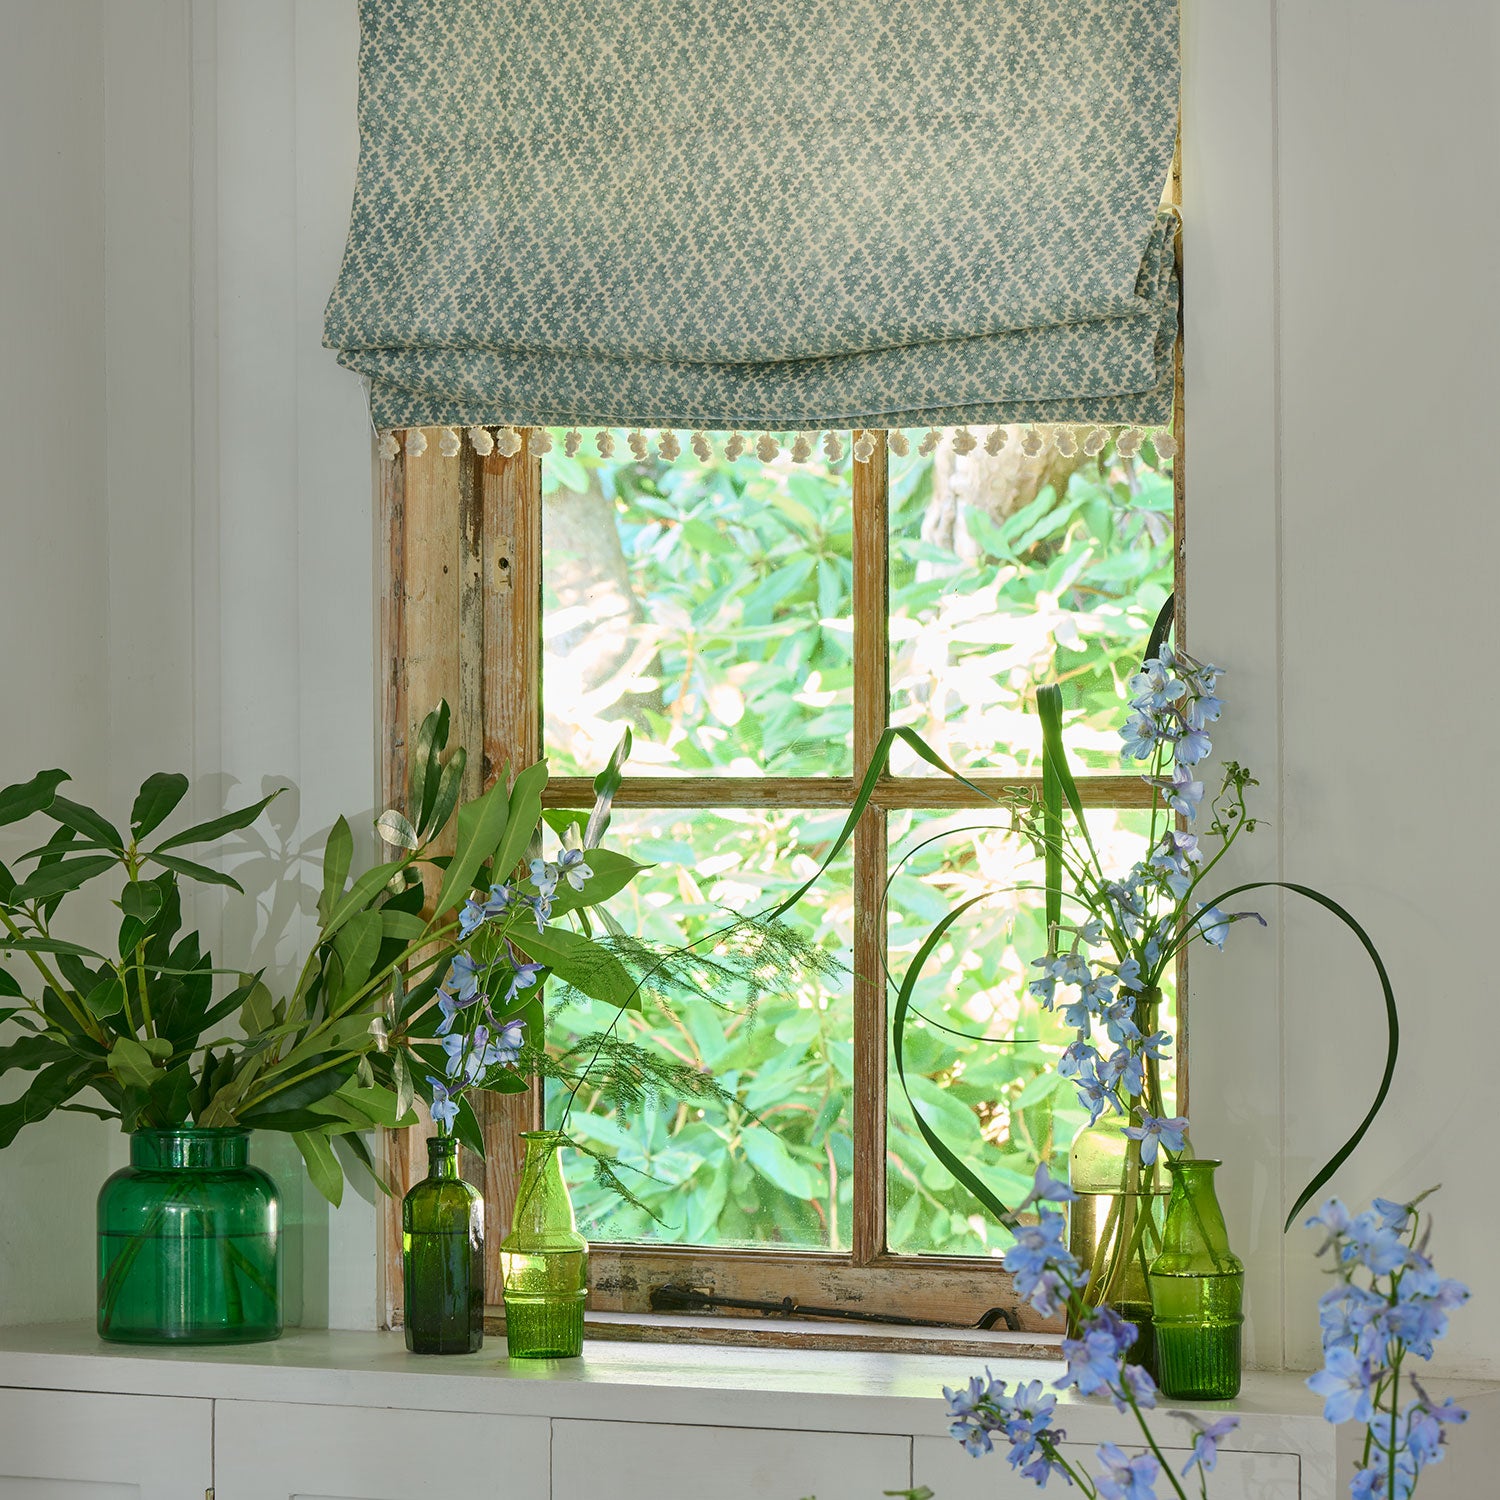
point(947, 1470)
point(63, 1445)
point(656, 1461)
point(267, 1450)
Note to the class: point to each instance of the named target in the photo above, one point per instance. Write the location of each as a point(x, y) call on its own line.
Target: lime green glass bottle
point(442, 1257)
point(189, 1239)
point(1197, 1290)
point(544, 1259)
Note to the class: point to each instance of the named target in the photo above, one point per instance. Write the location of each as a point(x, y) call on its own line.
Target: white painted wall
point(1342, 237)
point(53, 544)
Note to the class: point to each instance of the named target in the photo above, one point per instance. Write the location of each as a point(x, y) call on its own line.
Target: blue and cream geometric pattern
point(762, 213)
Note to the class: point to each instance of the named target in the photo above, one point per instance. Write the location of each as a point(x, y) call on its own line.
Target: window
point(759, 625)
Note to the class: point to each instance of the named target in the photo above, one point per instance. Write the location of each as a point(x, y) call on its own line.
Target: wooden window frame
point(460, 618)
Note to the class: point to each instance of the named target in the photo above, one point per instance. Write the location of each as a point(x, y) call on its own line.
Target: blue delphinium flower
point(1126, 1478)
point(571, 866)
point(1154, 1131)
point(1094, 1359)
point(1206, 1438)
point(444, 1105)
point(1344, 1383)
point(544, 876)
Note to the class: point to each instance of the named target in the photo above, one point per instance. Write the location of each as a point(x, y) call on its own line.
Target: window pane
point(1008, 572)
point(771, 1167)
point(705, 603)
point(996, 1101)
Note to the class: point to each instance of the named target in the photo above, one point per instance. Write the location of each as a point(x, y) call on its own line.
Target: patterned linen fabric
point(762, 213)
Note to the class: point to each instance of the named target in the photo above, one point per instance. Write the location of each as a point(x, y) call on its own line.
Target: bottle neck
point(187, 1148)
point(1193, 1214)
point(542, 1201)
point(442, 1157)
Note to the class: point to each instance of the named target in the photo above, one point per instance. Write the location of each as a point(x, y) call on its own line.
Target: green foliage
point(740, 578)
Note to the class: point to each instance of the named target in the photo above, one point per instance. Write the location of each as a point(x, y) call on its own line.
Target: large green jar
point(1115, 1224)
point(442, 1257)
point(189, 1242)
point(544, 1259)
point(1197, 1288)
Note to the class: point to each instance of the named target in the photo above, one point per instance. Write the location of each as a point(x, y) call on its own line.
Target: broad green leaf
point(9, 986)
point(425, 774)
point(46, 945)
point(86, 821)
point(394, 829)
point(357, 946)
point(158, 796)
point(141, 899)
point(449, 788)
point(322, 1165)
point(405, 1094)
point(770, 1157)
point(375, 1105)
point(201, 873)
point(23, 798)
point(467, 1128)
point(612, 872)
point(402, 925)
point(107, 998)
point(524, 814)
point(360, 895)
point(66, 875)
point(586, 966)
point(338, 853)
point(50, 1088)
point(31, 1052)
point(481, 826)
point(258, 1011)
point(305, 1085)
point(132, 1064)
point(216, 828)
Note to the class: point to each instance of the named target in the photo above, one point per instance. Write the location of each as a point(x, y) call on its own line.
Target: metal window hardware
point(691, 1299)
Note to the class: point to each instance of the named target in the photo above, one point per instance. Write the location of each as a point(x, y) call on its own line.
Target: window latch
point(690, 1299)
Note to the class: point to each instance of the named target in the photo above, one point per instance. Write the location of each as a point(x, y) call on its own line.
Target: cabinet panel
point(65, 1445)
point(945, 1468)
point(267, 1450)
point(653, 1461)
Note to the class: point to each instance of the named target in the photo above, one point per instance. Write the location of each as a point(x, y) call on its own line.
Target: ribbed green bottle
point(544, 1259)
point(1197, 1291)
point(189, 1241)
point(442, 1257)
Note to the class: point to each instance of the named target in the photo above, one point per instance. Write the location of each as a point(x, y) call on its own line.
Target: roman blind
point(782, 214)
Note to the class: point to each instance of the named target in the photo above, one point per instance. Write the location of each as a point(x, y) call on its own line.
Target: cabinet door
point(64, 1445)
point(651, 1461)
point(946, 1469)
point(264, 1450)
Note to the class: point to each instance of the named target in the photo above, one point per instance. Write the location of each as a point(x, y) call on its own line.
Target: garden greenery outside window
point(757, 625)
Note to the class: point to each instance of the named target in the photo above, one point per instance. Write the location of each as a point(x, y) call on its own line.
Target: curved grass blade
point(1392, 1022)
point(898, 1039)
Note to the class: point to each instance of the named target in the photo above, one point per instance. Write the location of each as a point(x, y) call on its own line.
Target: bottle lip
point(1181, 1162)
point(541, 1135)
point(190, 1147)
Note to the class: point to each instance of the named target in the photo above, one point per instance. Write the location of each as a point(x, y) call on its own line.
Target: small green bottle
point(1197, 1290)
point(442, 1257)
point(544, 1259)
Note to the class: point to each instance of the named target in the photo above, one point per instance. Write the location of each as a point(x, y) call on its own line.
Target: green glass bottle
point(442, 1257)
point(189, 1242)
point(1115, 1225)
point(544, 1259)
point(1197, 1290)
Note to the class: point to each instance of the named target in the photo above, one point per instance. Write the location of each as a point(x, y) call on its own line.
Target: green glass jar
point(544, 1259)
point(189, 1242)
point(1197, 1291)
point(442, 1257)
point(1115, 1225)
